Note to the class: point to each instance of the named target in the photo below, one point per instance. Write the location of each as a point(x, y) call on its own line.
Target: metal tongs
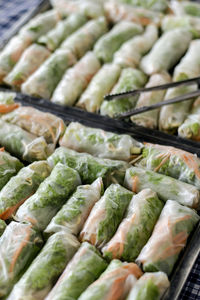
point(142, 109)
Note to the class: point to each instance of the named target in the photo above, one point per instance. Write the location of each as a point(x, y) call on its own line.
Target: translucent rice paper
point(42, 274)
point(19, 244)
point(169, 237)
point(100, 143)
point(76, 79)
point(7, 103)
point(167, 51)
point(114, 283)
point(37, 122)
point(72, 216)
point(29, 62)
point(106, 215)
point(166, 187)
point(150, 286)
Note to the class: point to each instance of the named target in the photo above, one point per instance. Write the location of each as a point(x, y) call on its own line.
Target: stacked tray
point(40, 148)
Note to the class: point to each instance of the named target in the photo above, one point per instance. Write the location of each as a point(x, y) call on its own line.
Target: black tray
point(69, 114)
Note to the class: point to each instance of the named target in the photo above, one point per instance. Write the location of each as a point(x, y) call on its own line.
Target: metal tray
point(68, 114)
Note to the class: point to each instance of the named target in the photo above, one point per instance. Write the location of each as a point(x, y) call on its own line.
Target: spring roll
point(158, 5)
point(9, 166)
point(100, 143)
point(85, 267)
point(92, 98)
point(89, 167)
point(136, 228)
point(7, 103)
point(114, 283)
point(49, 198)
point(137, 179)
point(19, 244)
point(169, 237)
point(185, 8)
point(190, 129)
point(131, 52)
point(167, 51)
point(106, 215)
point(43, 82)
point(39, 25)
point(74, 213)
point(63, 29)
point(37, 122)
point(23, 144)
point(170, 22)
point(75, 80)
point(116, 12)
point(29, 62)
point(84, 39)
point(20, 187)
point(42, 274)
point(11, 54)
point(150, 286)
point(129, 79)
point(150, 119)
point(172, 162)
point(109, 43)
point(3, 226)
point(90, 9)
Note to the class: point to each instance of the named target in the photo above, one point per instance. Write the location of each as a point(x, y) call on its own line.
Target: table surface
point(11, 12)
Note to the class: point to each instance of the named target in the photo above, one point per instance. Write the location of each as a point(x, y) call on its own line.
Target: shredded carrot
point(135, 182)
point(6, 108)
point(2, 149)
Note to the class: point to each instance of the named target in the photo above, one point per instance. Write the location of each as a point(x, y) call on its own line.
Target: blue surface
point(11, 11)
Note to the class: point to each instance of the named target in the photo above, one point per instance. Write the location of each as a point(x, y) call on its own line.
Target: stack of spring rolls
point(79, 51)
point(102, 216)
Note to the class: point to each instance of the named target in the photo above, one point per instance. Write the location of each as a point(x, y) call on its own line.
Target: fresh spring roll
point(172, 162)
point(116, 12)
point(106, 215)
point(114, 283)
point(76, 79)
point(19, 244)
point(92, 98)
point(7, 103)
point(129, 79)
point(20, 187)
point(170, 22)
point(100, 143)
point(43, 82)
point(11, 54)
point(84, 39)
point(42, 274)
point(131, 52)
point(49, 198)
point(158, 5)
point(150, 119)
point(173, 115)
point(150, 286)
point(185, 8)
point(63, 29)
point(90, 9)
point(169, 237)
point(74, 213)
point(85, 267)
point(29, 62)
point(190, 129)
point(136, 228)
point(109, 43)
point(23, 144)
point(37, 122)
point(89, 167)
point(39, 25)
point(137, 179)
point(167, 51)
point(3, 226)
point(9, 166)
